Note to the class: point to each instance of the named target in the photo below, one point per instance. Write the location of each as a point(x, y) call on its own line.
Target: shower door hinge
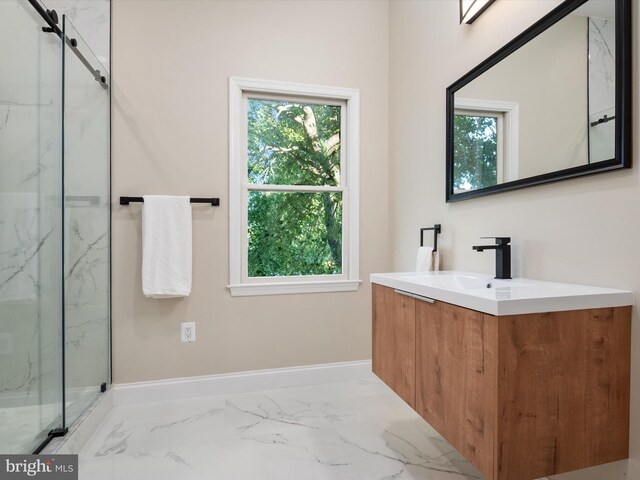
point(103, 387)
point(58, 432)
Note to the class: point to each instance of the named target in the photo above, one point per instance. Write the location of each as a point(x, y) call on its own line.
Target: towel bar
point(215, 202)
point(437, 228)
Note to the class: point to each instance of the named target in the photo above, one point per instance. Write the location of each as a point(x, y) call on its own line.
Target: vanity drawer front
point(394, 341)
point(564, 391)
point(456, 372)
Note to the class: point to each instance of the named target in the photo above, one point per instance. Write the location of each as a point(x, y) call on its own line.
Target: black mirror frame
point(623, 131)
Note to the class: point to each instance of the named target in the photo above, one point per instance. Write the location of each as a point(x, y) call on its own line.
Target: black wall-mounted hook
point(437, 229)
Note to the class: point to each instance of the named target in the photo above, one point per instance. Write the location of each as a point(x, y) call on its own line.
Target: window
point(485, 143)
point(293, 188)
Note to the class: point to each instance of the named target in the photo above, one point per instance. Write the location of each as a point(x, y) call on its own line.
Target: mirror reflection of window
point(547, 79)
point(547, 106)
point(477, 152)
point(486, 143)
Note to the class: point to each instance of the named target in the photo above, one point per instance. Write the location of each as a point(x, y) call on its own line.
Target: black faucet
point(503, 255)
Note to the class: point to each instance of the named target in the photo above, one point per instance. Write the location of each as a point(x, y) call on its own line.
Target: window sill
point(283, 288)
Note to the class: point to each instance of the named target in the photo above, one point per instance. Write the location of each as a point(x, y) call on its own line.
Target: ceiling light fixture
point(471, 9)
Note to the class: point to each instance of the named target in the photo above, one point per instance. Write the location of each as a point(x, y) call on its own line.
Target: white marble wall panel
point(86, 227)
point(31, 224)
point(92, 20)
point(87, 296)
point(602, 88)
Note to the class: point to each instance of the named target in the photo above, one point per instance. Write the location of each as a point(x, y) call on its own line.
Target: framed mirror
point(553, 104)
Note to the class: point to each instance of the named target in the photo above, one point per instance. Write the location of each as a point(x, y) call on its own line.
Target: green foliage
point(293, 144)
point(288, 234)
point(475, 152)
point(294, 233)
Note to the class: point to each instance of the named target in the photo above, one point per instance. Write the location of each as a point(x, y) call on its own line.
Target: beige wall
point(171, 63)
point(584, 231)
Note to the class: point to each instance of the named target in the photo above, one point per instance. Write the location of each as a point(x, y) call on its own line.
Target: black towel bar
point(437, 229)
point(215, 202)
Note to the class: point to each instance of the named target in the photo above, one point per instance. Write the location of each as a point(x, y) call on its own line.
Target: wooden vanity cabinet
point(456, 373)
point(394, 341)
point(521, 396)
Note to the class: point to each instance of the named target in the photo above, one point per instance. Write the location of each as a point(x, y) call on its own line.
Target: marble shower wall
point(86, 229)
point(30, 228)
point(602, 87)
point(31, 264)
point(92, 19)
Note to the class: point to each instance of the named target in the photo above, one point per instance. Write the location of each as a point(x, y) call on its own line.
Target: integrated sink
point(464, 281)
point(502, 297)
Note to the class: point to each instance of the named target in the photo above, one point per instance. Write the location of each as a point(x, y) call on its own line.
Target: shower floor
point(24, 417)
point(347, 430)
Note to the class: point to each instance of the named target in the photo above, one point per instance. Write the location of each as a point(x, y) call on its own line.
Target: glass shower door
point(86, 225)
point(30, 230)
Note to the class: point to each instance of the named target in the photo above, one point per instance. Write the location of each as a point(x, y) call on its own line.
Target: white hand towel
point(166, 246)
point(427, 260)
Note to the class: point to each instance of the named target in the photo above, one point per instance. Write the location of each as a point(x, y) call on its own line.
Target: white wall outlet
point(188, 332)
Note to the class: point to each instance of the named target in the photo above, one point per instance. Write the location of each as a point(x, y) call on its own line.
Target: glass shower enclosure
point(54, 227)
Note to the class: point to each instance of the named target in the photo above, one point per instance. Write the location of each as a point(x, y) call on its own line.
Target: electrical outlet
point(188, 332)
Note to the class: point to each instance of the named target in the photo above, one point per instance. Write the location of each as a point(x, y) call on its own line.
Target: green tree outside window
point(293, 233)
point(475, 152)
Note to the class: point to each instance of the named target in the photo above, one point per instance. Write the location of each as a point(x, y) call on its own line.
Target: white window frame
point(240, 284)
point(508, 114)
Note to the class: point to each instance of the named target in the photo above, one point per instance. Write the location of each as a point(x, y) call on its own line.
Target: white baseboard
point(230, 383)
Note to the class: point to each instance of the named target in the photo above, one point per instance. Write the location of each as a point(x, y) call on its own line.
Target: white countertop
point(503, 297)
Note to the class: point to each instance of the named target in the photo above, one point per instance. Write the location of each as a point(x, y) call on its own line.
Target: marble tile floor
point(348, 430)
